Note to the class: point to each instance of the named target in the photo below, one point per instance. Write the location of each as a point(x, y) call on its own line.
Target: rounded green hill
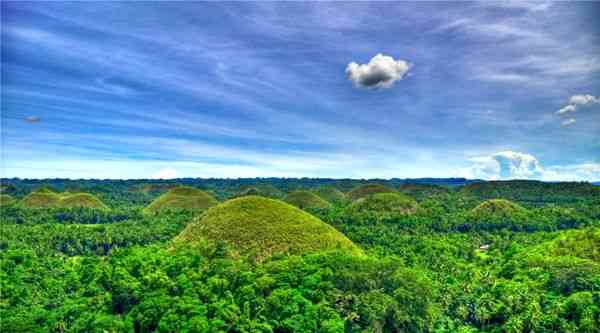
point(81, 200)
point(498, 209)
point(184, 198)
point(330, 194)
point(47, 198)
point(422, 191)
point(6, 200)
point(267, 191)
point(366, 190)
point(306, 200)
point(262, 227)
point(386, 203)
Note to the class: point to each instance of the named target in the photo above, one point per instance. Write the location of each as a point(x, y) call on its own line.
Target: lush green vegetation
point(453, 259)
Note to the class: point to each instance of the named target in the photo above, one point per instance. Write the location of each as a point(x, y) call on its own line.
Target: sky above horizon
point(498, 90)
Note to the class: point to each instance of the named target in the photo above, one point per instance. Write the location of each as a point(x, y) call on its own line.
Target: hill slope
point(182, 197)
point(262, 226)
point(263, 190)
point(498, 210)
point(330, 194)
point(386, 203)
point(306, 200)
point(366, 190)
point(6, 199)
point(47, 198)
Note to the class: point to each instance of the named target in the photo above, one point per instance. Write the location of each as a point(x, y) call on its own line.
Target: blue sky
point(142, 90)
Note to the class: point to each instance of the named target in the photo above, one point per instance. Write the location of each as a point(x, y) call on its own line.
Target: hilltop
point(422, 191)
point(306, 200)
point(263, 190)
point(262, 226)
point(47, 198)
point(182, 197)
point(498, 208)
point(386, 203)
point(6, 199)
point(366, 190)
point(330, 194)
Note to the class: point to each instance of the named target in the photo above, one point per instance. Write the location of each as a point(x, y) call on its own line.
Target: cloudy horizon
point(502, 90)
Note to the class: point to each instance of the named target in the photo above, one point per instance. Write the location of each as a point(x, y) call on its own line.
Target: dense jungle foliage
point(457, 256)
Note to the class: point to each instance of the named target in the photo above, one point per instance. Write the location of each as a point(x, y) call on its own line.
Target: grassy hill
point(498, 210)
point(184, 198)
point(6, 199)
point(306, 200)
point(260, 226)
point(47, 198)
point(422, 191)
point(532, 192)
point(330, 194)
point(263, 190)
point(366, 190)
point(87, 200)
point(386, 203)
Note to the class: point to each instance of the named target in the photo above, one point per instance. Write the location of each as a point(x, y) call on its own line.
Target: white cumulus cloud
point(505, 165)
point(166, 173)
point(516, 165)
point(381, 72)
point(583, 99)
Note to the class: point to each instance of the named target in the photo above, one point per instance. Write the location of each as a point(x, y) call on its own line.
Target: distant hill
point(6, 199)
point(366, 190)
point(497, 209)
point(263, 190)
point(182, 197)
point(422, 191)
point(533, 192)
point(330, 194)
point(261, 226)
point(48, 198)
point(306, 200)
point(435, 181)
point(385, 203)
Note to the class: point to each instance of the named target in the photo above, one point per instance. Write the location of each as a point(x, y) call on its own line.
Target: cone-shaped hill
point(184, 198)
point(386, 203)
point(422, 191)
point(48, 198)
point(267, 191)
point(6, 200)
point(306, 200)
point(498, 209)
point(330, 194)
point(366, 190)
point(262, 227)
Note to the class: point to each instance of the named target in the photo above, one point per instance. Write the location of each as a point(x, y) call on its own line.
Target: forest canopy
point(401, 257)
